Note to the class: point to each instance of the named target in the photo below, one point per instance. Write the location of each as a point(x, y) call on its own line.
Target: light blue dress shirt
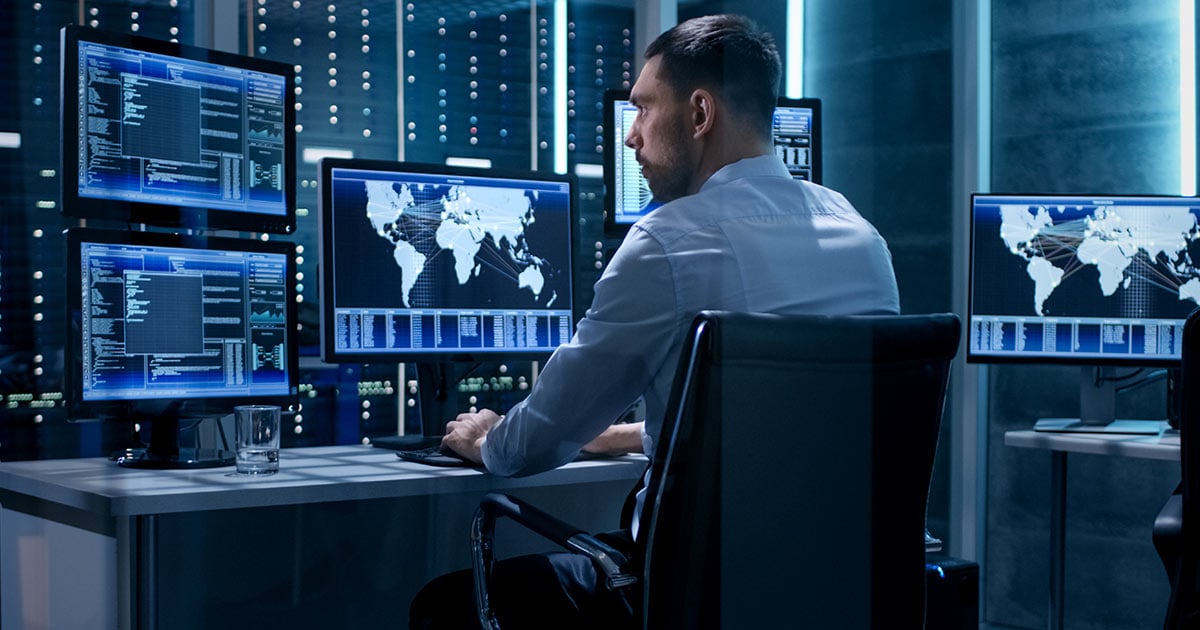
point(752, 239)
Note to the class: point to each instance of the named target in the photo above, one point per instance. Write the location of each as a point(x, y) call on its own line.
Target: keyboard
point(406, 442)
point(423, 449)
point(428, 450)
point(433, 456)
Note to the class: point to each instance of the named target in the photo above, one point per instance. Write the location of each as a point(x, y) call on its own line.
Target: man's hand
point(464, 434)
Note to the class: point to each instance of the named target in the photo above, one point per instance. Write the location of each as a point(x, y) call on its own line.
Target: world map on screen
point(1121, 243)
point(424, 221)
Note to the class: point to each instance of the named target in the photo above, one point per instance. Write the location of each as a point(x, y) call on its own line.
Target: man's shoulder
point(749, 195)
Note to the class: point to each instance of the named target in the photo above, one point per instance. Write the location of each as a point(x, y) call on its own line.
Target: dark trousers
point(552, 590)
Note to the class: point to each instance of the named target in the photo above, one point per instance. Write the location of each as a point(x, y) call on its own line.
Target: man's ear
point(704, 111)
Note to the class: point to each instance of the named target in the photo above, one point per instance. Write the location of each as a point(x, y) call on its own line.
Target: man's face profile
point(659, 135)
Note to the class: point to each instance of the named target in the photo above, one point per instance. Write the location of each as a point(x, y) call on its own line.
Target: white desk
point(1161, 447)
point(85, 543)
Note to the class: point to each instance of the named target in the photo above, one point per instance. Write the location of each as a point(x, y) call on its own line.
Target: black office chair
point(790, 481)
point(1177, 527)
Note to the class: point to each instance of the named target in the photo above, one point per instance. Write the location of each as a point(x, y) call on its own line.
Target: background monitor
point(164, 328)
point(796, 132)
point(161, 133)
point(1091, 280)
point(444, 267)
point(425, 262)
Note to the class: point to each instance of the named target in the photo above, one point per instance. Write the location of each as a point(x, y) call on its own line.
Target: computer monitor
point(160, 133)
point(165, 328)
point(1092, 280)
point(443, 265)
point(796, 131)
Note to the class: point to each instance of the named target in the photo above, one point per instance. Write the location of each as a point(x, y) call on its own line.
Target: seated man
point(735, 232)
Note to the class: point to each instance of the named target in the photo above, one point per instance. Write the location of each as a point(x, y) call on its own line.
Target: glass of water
point(257, 430)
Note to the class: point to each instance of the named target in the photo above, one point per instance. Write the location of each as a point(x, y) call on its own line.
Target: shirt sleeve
point(618, 348)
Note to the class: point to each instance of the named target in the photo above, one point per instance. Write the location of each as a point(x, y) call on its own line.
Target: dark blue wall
point(1084, 99)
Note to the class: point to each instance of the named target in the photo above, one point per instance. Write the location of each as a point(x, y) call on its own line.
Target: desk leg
point(126, 569)
point(136, 576)
point(147, 572)
point(1058, 536)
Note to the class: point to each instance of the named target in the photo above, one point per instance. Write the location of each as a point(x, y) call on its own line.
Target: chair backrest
point(789, 484)
point(1189, 420)
point(1184, 607)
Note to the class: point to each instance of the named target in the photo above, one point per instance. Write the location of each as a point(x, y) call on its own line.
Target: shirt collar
point(758, 166)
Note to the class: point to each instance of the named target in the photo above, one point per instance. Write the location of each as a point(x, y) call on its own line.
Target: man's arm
point(617, 439)
point(619, 346)
point(464, 435)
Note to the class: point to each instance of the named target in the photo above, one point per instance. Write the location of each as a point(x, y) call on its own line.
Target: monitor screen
point(164, 326)
point(439, 263)
point(160, 133)
point(796, 132)
point(1082, 279)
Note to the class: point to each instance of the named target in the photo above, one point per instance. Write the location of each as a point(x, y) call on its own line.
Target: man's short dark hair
point(726, 53)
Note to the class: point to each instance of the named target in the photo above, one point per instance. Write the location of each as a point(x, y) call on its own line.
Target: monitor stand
point(1097, 409)
point(164, 452)
point(435, 381)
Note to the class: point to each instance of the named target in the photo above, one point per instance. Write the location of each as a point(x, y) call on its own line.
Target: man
point(735, 232)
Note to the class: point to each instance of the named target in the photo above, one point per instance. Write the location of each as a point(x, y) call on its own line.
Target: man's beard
point(674, 175)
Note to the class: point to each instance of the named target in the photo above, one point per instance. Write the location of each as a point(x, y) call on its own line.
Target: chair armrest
point(1167, 536)
point(1169, 522)
point(608, 560)
point(555, 529)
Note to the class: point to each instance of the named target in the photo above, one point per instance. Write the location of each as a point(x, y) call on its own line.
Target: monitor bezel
point(329, 352)
point(611, 149)
point(161, 214)
point(1084, 361)
point(200, 406)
